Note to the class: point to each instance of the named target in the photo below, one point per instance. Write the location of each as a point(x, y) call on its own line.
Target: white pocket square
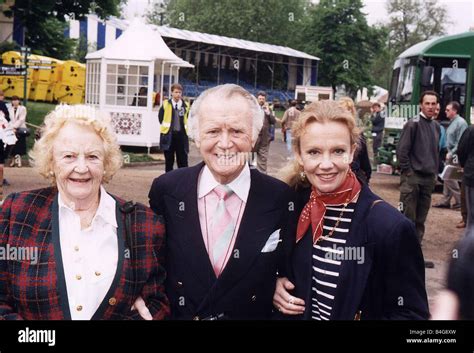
point(272, 241)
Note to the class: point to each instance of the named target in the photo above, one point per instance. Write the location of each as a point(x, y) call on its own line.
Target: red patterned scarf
point(314, 211)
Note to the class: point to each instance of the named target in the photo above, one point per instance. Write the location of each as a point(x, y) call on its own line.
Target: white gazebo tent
point(121, 78)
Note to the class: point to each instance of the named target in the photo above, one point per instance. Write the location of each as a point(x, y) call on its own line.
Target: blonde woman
point(97, 254)
point(354, 256)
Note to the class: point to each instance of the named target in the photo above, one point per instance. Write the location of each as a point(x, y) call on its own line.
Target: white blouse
point(90, 256)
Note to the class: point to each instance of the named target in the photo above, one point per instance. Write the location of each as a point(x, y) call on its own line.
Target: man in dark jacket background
point(418, 154)
point(378, 124)
point(466, 160)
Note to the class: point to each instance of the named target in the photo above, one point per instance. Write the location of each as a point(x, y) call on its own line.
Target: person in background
point(141, 99)
point(453, 135)
point(4, 120)
point(456, 302)
point(289, 117)
point(18, 122)
point(262, 146)
point(418, 154)
point(465, 153)
point(173, 116)
point(361, 163)
point(378, 124)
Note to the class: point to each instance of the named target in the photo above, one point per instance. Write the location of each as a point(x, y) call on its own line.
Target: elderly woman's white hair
point(226, 91)
point(42, 153)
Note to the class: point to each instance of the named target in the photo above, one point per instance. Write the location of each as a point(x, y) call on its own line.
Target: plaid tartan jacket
point(37, 291)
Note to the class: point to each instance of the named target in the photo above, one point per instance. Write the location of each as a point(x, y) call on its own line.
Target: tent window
point(126, 85)
point(93, 83)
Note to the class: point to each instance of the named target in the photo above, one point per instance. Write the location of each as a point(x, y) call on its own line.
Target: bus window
point(403, 78)
point(449, 80)
point(394, 85)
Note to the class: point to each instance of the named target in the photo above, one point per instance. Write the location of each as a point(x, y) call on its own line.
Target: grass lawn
point(36, 113)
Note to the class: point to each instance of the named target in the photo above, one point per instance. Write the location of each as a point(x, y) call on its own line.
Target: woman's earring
point(303, 176)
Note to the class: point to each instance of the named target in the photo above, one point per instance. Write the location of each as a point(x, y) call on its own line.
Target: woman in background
point(18, 122)
point(361, 163)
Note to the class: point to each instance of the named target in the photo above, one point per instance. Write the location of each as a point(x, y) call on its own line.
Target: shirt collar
point(424, 116)
point(179, 103)
point(240, 185)
point(105, 210)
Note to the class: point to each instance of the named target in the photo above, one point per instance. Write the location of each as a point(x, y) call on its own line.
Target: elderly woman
point(354, 255)
point(94, 253)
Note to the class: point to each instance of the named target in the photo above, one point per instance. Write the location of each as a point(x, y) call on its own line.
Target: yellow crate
point(39, 91)
point(50, 92)
point(47, 75)
point(69, 94)
point(14, 87)
point(73, 73)
point(15, 58)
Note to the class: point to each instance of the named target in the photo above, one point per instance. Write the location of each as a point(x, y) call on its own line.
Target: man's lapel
point(184, 216)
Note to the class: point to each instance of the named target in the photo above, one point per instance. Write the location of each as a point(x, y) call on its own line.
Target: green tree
point(48, 39)
point(339, 34)
point(44, 21)
point(413, 21)
point(381, 68)
point(272, 21)
point(409, 22)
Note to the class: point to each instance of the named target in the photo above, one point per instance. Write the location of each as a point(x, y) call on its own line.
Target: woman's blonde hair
point(42, 153)
point(348, 104)
point(318, 112)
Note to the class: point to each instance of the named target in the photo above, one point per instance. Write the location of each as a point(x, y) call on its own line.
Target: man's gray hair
point(226, 91)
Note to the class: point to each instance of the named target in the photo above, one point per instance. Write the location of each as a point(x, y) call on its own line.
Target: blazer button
point(180, 284)
point(112, 301)
point(254, 297)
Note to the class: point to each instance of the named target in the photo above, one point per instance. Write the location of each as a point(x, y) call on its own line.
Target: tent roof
point(199, 37)
point(139, 42)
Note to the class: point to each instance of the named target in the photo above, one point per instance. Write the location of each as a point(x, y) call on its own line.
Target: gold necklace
point(331, 232)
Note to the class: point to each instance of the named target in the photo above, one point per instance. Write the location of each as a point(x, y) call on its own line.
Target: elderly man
point(224, 221)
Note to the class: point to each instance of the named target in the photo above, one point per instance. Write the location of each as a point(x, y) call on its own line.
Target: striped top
point(327, 260)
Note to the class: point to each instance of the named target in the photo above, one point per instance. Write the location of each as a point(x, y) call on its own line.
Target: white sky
point(461, 12)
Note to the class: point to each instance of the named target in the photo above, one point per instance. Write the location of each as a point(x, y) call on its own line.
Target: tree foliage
point(272, 21)
point(339, 34)
point(413, 21)
point(409, 22)
point(45, 21)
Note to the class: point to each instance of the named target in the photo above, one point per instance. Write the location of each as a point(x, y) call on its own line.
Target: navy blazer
point(245, 288)
point(390, 281)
